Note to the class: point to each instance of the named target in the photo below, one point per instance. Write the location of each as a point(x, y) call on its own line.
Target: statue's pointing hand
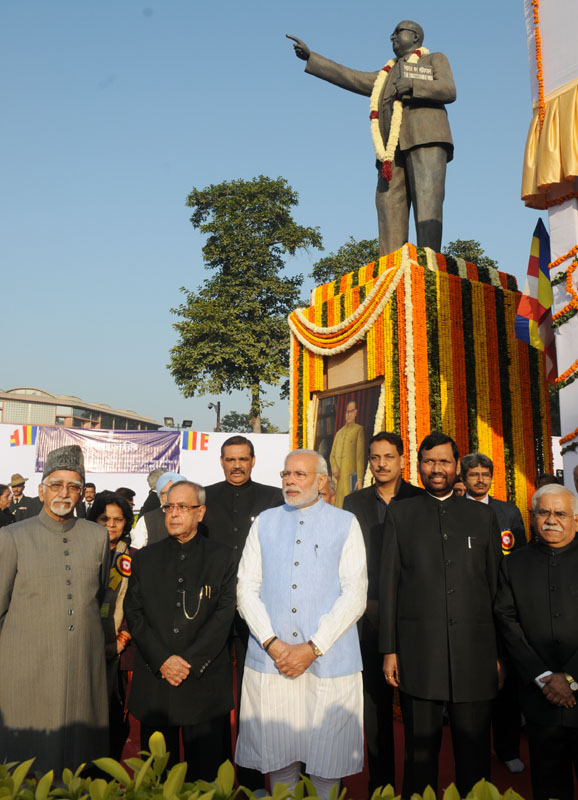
point(301, 49)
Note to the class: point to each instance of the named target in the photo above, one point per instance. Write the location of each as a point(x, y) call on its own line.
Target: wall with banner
point(124, 458)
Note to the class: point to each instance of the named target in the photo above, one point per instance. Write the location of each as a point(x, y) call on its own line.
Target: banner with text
point(114, 451)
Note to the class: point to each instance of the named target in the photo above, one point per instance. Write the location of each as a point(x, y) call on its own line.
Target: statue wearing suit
point(425, 142)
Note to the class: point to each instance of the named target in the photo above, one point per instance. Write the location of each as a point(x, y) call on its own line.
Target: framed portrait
point(344, 424)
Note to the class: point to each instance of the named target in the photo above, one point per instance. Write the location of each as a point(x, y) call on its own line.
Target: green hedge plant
point(149, 782)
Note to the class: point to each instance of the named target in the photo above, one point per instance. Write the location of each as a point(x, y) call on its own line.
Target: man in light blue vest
point(302, 587)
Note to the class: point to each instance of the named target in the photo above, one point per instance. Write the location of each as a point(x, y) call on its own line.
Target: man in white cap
point(150, 527)
point(53, 571)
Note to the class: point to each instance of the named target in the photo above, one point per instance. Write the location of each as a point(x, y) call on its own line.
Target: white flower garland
point(377, 428)
point(410, 378)
point(310, 433)
point(361, 333)
point(385, 153)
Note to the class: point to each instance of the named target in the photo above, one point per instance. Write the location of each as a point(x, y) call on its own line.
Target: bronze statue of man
point(412, 151)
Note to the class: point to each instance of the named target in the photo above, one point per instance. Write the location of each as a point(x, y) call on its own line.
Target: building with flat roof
point(27, 405)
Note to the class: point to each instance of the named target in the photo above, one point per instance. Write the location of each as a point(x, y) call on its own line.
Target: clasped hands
point(175, 670)
point(557, 690)
point(291, 659)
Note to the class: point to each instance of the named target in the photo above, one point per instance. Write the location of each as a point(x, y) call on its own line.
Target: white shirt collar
point(441, 499)
point(485, 500)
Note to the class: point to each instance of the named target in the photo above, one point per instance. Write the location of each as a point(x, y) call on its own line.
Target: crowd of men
point(250, 586)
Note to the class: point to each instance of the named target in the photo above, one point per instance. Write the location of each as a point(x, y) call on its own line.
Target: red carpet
point(501, 777)
point(357, 784)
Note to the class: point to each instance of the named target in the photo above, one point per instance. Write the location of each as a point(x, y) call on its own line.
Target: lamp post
point(217, 407)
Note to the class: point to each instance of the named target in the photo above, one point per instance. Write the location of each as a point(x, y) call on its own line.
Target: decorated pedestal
point(422, 342)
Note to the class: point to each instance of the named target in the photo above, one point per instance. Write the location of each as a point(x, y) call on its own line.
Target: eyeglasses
point(58, 486)
point(544, 514)
point(299, 474)
point(180, 508)
point(399, 30)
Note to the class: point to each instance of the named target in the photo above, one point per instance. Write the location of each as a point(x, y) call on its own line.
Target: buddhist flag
point(534, 316)
point(24, 435)
point(192, 440)
point(29, 434)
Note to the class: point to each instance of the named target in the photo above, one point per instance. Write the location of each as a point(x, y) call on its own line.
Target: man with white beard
point(53, 572)
point(302, 587)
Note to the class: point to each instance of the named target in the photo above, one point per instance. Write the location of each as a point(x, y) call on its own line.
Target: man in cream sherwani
point(302, 586)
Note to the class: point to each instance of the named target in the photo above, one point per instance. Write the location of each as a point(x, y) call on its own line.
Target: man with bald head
point(414, 174)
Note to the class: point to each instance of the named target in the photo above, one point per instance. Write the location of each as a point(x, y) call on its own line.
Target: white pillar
point(563, 223)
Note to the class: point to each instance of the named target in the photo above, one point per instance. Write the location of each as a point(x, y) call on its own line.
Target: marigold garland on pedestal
point(440, 333)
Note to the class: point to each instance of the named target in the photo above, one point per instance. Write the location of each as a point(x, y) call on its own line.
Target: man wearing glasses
point(53, 571)
point(302, 587)
point(537, 616)
point(179, 608)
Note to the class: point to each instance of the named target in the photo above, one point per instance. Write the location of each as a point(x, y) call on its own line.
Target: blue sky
point(114, 110)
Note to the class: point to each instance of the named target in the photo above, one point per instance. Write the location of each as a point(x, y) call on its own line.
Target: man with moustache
point(439, 570)
point(179, 608)
point(84, 505)
point(53, 573)
point(232, 505)
point(537, 616)
point(370, 505)
point(21, 506)
point(302, 586)
point(477, 472)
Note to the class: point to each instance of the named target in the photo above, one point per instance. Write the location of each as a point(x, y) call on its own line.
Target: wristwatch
point(571, 681)
point(318, 652)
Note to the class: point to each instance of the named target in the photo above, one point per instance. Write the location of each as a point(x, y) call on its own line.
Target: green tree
point(469, 250)
point(351, 255)
point(233, 330)
point(234, 422)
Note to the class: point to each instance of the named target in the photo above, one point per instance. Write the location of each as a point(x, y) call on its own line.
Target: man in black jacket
point(477, 475)
point(439, 571)
point(179, 607)
point(232, 506)
point(386, 461)
point(21, 506)
point(537, 616)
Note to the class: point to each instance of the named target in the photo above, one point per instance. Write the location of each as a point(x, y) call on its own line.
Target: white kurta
point(318, 721)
